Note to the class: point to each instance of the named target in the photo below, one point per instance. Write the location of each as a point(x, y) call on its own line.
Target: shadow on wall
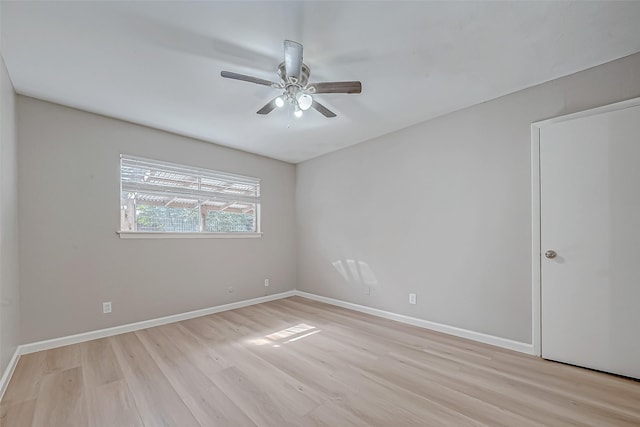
point(357, 273)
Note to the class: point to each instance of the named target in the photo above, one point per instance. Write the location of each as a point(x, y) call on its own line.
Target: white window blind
point(170, 198)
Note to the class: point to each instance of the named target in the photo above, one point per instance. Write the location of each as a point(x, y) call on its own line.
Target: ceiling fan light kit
point(304, 100)
point(294, 82)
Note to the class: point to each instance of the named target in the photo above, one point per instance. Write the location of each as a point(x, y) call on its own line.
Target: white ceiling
point(159, 63)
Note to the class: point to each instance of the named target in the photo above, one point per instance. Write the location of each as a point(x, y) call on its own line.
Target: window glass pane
point(165, 197)
point(167, 218)
point(233, 219)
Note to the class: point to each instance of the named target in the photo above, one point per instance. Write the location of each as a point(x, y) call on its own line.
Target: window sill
point(155, 235)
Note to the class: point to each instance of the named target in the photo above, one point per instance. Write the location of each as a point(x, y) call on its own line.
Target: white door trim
point(536, 252)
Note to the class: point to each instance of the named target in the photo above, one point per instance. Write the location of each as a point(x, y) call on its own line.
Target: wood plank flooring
point(296, 362)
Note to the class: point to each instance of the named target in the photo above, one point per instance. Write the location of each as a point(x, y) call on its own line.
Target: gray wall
point(442, 209)
point(9, 295)
point(70, 256)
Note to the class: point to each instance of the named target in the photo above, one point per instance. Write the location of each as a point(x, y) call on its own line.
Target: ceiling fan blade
point(337, 87)
point(269, 107)
point(322, 109)
point(244, 78)
point(292, 59)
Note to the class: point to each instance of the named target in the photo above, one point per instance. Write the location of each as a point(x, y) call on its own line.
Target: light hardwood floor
point(296, 362)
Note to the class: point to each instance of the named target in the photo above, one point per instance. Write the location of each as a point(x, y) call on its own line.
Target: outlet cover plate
point(106, 307)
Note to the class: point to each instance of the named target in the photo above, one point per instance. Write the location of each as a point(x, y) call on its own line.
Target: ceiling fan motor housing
point(304, 76)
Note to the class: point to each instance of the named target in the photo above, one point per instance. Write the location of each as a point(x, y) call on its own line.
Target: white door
point(590, 218)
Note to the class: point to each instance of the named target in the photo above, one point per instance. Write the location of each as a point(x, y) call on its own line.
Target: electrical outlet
point(230, 289)
point(106, 307)
point(412, 298)
point(266, 282)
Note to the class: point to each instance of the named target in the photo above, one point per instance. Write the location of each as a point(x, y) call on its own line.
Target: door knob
point(550, 254)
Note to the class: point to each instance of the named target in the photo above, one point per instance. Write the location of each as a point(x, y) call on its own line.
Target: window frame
point(200, 173)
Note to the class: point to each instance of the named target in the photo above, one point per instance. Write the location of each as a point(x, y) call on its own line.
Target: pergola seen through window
point(161, 197)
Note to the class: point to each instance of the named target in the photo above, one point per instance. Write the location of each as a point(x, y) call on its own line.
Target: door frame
point(536, 236)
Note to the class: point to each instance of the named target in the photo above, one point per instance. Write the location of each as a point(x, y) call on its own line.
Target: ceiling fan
point(294, 82)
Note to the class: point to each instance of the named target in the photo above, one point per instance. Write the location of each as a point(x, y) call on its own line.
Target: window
point(159, 197)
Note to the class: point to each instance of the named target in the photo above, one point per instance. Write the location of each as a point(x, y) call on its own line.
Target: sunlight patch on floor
point(293, 333)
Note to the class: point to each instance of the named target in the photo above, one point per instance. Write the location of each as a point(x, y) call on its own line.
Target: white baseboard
point(451, 330)
point(116, 330)
point(8, 372)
